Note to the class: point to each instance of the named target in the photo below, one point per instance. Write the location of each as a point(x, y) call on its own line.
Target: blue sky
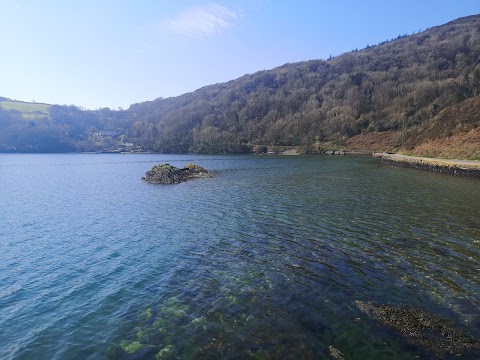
point(112, 53)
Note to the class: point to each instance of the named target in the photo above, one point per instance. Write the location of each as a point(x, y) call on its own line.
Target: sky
point(113, 53)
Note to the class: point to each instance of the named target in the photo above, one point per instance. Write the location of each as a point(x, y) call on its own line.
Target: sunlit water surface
point(264, 260)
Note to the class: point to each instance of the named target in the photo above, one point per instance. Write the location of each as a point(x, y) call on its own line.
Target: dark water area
point(265, 260)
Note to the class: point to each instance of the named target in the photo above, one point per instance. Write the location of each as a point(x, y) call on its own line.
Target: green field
point(29, 110)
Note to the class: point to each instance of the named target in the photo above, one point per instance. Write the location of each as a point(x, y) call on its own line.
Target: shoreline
point(468, 168)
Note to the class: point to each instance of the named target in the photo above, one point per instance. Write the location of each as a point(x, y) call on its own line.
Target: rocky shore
point(470, 168)
point(168, 174)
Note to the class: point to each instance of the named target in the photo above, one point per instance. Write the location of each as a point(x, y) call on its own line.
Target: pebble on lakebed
point(168, 174)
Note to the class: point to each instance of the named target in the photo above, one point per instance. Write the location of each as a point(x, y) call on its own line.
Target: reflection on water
point(265, 260)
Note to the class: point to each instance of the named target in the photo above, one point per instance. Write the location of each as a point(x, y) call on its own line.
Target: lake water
point(264, 260)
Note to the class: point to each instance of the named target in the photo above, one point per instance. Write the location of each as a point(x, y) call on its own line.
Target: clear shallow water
point(265, 260)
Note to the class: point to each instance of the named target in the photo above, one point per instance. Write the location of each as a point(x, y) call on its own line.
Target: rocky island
point(168, 174)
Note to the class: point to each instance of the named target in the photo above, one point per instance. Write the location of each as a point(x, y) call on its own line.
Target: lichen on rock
point(168, 174)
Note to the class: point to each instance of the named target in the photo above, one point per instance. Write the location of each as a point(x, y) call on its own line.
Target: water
point(264, 260)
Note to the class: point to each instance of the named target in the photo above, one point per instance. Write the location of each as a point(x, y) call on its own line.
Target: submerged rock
point(335, 353)
point(168, 174)
point(421, 328)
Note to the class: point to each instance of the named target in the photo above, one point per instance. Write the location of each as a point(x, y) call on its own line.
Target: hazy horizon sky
point(113, 53)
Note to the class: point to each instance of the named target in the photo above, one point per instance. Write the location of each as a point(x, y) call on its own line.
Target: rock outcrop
point(422, 328)
point(168, 174)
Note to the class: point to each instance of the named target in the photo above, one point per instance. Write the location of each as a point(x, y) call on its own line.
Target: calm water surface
point(265, 260)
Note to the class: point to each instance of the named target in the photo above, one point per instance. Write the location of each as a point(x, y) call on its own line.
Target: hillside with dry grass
point(453, 133)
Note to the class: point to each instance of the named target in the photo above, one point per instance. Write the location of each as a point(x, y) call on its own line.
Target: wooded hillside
point(398, 86)
point(378, 98)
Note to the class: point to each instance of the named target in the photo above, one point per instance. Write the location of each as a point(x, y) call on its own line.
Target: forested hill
point(378, 98)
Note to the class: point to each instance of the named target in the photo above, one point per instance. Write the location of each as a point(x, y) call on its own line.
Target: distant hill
point(384, 97)
point(36, 127)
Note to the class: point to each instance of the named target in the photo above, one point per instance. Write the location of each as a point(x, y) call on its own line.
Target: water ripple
point(264, 260)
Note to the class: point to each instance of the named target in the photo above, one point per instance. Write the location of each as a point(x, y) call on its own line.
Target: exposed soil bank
point(470, 168)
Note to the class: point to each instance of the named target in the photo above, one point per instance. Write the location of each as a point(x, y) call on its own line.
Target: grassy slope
point(29, 110)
